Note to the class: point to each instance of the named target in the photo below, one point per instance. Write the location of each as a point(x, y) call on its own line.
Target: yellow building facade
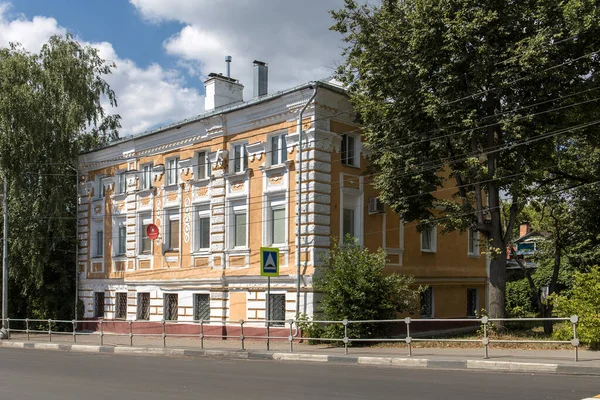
point(221, 185)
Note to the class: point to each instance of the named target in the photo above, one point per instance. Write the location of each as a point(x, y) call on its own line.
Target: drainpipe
point(299, 189)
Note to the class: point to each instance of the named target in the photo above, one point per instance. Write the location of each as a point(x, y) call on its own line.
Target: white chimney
point(222, 91)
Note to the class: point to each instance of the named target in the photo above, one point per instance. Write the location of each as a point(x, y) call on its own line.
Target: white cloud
point(146, 97)
point(292, 37)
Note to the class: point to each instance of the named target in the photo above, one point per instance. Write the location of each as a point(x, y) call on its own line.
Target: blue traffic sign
point(269, 261)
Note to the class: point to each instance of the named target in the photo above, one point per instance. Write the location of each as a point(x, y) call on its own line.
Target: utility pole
point(3, 334)
point(76, 241)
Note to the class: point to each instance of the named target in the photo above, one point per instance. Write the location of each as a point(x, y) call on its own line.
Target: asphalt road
point(34, 374)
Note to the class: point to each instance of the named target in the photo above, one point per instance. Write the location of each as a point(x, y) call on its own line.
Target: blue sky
point(164, 48)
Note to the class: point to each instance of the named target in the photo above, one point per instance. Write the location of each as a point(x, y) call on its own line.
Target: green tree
point(476, 94)
point(354, 287)
point(583, 300)
point(50, 110)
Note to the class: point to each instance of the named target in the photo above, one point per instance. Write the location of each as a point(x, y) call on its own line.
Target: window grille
point(471, 302)
point(143, 306)
point(170, 307)
point(201, 307)
point(427, 303)
point(277, 309)
point(99, 305)
point(121, 306)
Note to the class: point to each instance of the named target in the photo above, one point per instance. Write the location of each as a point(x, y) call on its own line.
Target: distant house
point(525, 247)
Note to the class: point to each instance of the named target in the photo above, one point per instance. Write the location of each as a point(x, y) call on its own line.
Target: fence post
point(408, 338)
point(242, 333)
point(130, 332)
point(27, 327)
point(346, 340)
point(8, 328)
point(74, 333)
point(50, 329)
point(291, 337)
point(486, 341)
point(202, 334)
point(101, 333)
point(575, 342)
point(164, 334)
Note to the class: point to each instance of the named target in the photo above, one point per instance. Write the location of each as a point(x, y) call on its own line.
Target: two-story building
point(224, 183)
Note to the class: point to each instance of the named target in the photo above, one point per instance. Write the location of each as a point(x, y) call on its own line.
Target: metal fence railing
point(205, 329)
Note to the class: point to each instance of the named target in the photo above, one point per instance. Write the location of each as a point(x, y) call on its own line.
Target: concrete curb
point(390, 362)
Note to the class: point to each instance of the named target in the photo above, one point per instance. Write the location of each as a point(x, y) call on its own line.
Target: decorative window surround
point(256, 150)
point(186, 166)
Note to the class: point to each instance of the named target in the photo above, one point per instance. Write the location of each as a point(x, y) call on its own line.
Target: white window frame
point(144, 220)
point(121, 183)
point(119, 222)
point(202, 155)
point(236, 208)
point(98, 228)
point(169, 177)
point(201, 211)
point(433, 247)
point(99, 185)
point(146, 181)
point(354, 202)
point(172, 214)
point(278, 152)
point(243, 157)
point(355, 147)
point(473, 236)
point(275, 204)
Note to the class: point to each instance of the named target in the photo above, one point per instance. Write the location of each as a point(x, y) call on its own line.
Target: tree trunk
point(497, 287)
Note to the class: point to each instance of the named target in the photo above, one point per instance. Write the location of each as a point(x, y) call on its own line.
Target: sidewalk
point(547, 361)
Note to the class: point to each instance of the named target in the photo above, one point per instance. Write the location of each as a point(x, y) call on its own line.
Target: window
point(172, 171)
point(348, 222)
point(121, 183)
point(276, 232)
point(145, 242)
point(473, 239)
point(202, 231)
point(99, 189)
point(173, 230)
point(240, 158)
point(278, 149)
point(122, 240)
point(121, 306)
point(472, 300)
point(146, 176)
point(143, 306)
point(201, 307)
point(240, 229)
point(203, 165)
point(348, 150)
point(99, 305)
point(99, 248)
point(277, 309)
point(170, 307)
point(428, 239)
point(427, 303)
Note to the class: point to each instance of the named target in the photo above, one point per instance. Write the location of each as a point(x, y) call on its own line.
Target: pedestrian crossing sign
point(269, 261)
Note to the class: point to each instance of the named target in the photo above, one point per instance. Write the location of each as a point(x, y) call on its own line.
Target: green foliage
point(472, 94)
point(582, 300)
point(355, 288)
point(519, 300)
point(50, 110)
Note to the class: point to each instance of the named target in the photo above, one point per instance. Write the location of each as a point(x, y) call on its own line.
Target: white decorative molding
point(109, 182)
point(256, 150)
point(218, 158)
point(186, 165)
point(157, 172)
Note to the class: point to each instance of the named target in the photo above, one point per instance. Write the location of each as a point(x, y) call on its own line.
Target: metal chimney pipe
point(261, 78)
point(228, 62)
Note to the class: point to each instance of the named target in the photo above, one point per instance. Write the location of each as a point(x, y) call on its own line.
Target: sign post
point(269, 266)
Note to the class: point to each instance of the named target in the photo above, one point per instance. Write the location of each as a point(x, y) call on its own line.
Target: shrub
point(583, 300)
point(355, 287)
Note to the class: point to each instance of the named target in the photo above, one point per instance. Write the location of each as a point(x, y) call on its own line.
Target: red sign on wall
point(152, 231)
